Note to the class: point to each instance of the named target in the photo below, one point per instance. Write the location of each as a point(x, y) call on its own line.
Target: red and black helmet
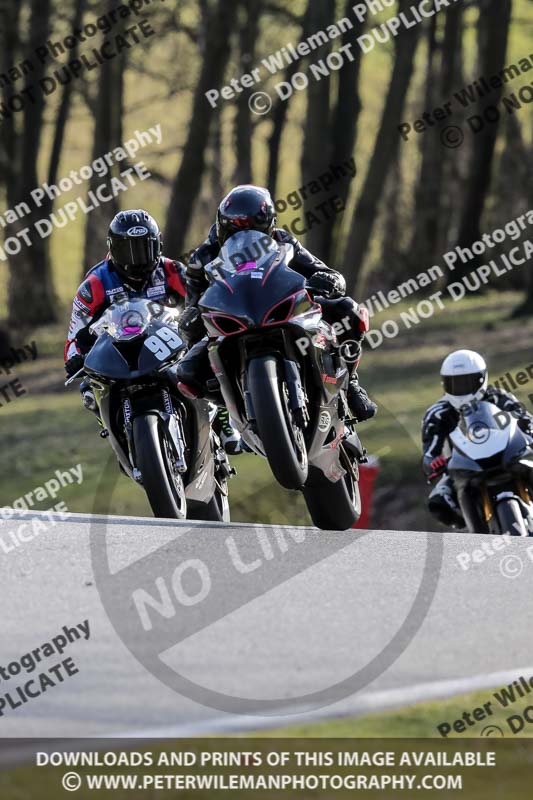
point(245, 208)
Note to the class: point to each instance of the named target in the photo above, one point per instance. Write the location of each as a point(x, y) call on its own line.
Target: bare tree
point(31, 295)
point(243, 128)
point(515, 188)
point(493, 34)
point(187, 183)
point(278, 115)
point(315, 152)
point(109, 113)
point(385, 147)
point(344, 128)
point(107, 135)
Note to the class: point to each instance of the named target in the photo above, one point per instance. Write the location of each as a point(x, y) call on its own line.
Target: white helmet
point(464, 377)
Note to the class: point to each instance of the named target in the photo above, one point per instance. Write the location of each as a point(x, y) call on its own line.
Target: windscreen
point(125, 320)
point(481, 416)
point(249, 250)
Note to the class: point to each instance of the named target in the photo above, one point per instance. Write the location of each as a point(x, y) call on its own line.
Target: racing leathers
point(194, 370)
point(102, 286)
point(439, 421)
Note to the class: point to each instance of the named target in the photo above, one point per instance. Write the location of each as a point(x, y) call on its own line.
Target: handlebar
point(72, 378)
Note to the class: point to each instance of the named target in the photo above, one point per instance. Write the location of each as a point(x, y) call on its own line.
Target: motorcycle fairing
point(479, 425)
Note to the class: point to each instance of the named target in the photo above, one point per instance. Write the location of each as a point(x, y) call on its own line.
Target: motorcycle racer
point(464, 376)
point(134, 267)
point(250, 207)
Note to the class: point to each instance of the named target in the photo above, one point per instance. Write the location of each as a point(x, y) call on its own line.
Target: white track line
point(368, 703)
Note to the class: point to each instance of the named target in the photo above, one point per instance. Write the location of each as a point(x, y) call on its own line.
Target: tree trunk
point(31, 297)
point(384, 152)
point(344, 129)
point(243, 131)
point(433, 214)
point(188, 180)
point(315, 151)
point(493, 34)
point(66, 100)
point(427, 197)
point(278, 115)
point(517, 165)
point(107, 135)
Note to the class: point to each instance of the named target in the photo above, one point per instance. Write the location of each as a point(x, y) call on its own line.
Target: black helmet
point(245, 207)
point(134, 242)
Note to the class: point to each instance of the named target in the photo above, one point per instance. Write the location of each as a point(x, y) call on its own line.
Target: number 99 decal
point(157, 344)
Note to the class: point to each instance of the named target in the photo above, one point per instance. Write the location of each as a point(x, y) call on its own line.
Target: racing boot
point(360, 404)
point(443, 504)
point(230, 438)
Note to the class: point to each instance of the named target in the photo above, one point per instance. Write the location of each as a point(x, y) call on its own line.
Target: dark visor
point(134, 252)
point(459, 385)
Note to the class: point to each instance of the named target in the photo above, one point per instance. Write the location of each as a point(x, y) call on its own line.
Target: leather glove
point(74, 365)
point(190, 325)
point(526, 426)
point(327, 284)
point(437, 467)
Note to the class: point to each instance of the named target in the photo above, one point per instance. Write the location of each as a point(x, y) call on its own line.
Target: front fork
point(522, 492)
point(172, 421)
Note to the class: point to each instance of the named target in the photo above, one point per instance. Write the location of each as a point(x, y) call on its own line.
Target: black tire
point(162, 484)
point(332, 506)
point(510, 518)
point(284, 446)
point(217, 510)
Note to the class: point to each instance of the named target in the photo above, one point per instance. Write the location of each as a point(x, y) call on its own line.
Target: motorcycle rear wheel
point(282, 439)
point(162, 483)
point(332, 506)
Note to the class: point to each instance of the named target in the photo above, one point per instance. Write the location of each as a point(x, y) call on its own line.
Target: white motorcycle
point(491, 466)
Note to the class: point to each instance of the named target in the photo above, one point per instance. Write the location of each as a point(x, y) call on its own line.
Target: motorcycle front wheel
point(510, 518)
point(162, 482)
point(282, 438)
point(216, 510)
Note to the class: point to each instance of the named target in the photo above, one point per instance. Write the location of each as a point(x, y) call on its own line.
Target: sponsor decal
point(156, 291)
point(138, 230)
point(85, 292)
point(79, 304)
point(324, 423)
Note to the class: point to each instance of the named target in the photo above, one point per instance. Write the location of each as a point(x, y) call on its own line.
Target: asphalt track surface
point(266, 626)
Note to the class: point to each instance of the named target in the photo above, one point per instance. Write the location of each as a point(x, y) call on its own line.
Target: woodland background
point(409, 203)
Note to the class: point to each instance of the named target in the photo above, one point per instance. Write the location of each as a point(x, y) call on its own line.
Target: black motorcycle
point(162, 441)
point(281, 375)
point(491, 466)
